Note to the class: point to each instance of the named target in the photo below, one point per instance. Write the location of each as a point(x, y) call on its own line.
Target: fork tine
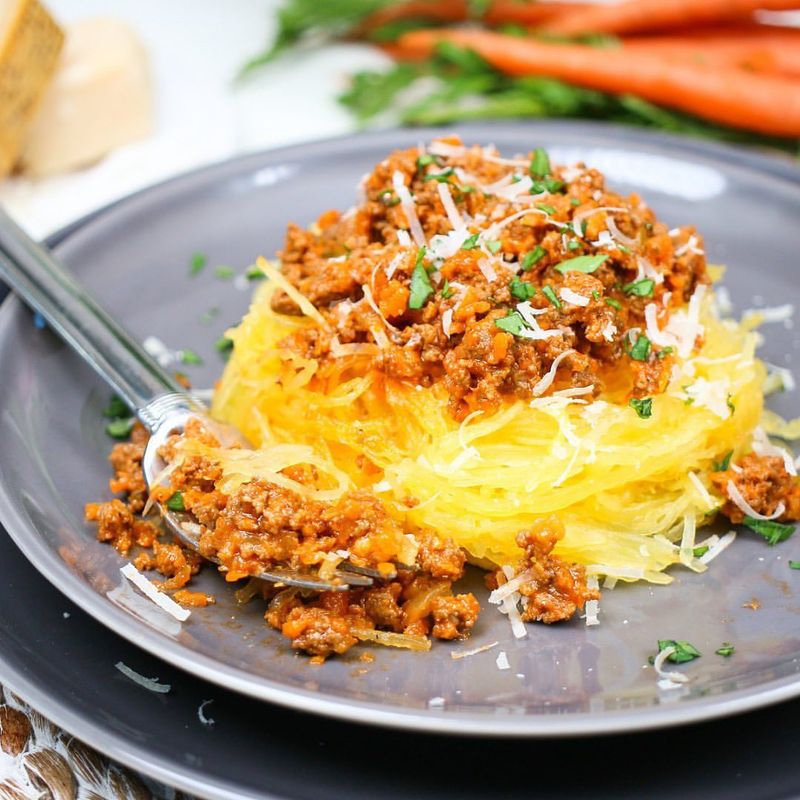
point(344, 580)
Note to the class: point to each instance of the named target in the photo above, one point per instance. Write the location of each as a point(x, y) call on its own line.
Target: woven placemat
point(38, 761)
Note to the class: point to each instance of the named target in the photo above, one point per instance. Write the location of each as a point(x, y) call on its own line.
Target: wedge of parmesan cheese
point(30, 43)
point(100, 98)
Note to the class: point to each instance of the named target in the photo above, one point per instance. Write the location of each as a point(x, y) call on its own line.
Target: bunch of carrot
point(710, 58)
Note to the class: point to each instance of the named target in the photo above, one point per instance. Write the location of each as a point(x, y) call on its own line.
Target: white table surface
point(196, 48)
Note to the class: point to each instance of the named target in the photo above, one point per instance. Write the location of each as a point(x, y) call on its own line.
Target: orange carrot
point(777, 53)
point(763, 103)
point(504, 12)
point(636, 16)
point(499, 12)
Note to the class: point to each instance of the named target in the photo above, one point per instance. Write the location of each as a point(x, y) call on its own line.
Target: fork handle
point(48, 287)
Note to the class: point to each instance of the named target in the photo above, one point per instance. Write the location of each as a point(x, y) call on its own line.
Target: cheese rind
point(30, 43)
point(100, 98)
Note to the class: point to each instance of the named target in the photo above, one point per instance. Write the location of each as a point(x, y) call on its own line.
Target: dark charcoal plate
point(64, 666)
point(135, 257)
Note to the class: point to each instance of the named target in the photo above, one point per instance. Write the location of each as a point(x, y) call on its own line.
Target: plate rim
point(372, 713)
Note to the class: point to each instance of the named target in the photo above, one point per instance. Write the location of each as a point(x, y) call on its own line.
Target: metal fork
point(161, 404)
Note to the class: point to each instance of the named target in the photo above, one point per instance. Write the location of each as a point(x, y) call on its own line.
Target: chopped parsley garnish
point(699, 552)
point(772, 531)
point(466, 189)
point(116, 408)
point(683, 650)
point(516, 178)
point(522, 290)
point(207, 317)
point(190, 357)
point(643, 407)
point(726, 650)
point(427, 159)
point(440, 177)
point(610, 301)
point(586, 264)
point(386, 197)
point(665, 351)
point(595, 294)
point(471, 242)
point(197, 262)
point(549, 185)
point(550, 293)
point(640, 351)
point(512, 323)
point(224, 344)
point(254, 273)
point(175, 503)
point(573, 245)
point(724, 464)
point(224, 272)
point(540, 163)
point(548, 209)
point(573, 201)
point(421, 288)
point(642, 288)
point(120, 428)
point(794, 565)
point(493, 247)
point(533, 257)
point(447, 290)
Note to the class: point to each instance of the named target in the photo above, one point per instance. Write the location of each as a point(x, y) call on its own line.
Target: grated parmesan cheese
point(573, 298)
point(407, 203)
point(736, 497)
point(547, 380)
point(673, 676)
point(152, 593)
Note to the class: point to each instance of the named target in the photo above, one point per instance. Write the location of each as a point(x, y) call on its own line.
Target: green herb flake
point(724, 464)
point(794, 565)
point(427, 159)
point(512, 323)
point(120, 428)
point(773, 532)
point(573, 201)
point(197, 263)
point(731, 405)
point(466, 189)
point(550, 293)
point(725, 650)
point(640, 351)
point(440, 177)
point(643, 407)
point(191, 358)
point(585, 264)
point(533, 257)
point(610, 301)
point(540, 163)
point(388, 199)
point(684, 651)
point(548, 209)
point(494, 247)
point(471, 242)
point(642, 288)
point(223, 344)
point(175, 503)
point(665, 351)
point(116, 408)
point(699, 552)
point(254, 273)
point(421, 288)
point(522, 290)
point(224, 272)
point(447, 290)
point(207, 317)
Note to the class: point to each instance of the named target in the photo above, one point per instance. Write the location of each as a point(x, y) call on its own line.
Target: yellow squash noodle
point(621, 484)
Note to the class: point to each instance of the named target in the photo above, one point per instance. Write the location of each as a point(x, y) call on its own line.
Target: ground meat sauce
point(437, 309)
point(764, 483)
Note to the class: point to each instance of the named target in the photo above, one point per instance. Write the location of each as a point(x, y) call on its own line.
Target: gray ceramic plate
point(62, 661)
point(563, 680)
